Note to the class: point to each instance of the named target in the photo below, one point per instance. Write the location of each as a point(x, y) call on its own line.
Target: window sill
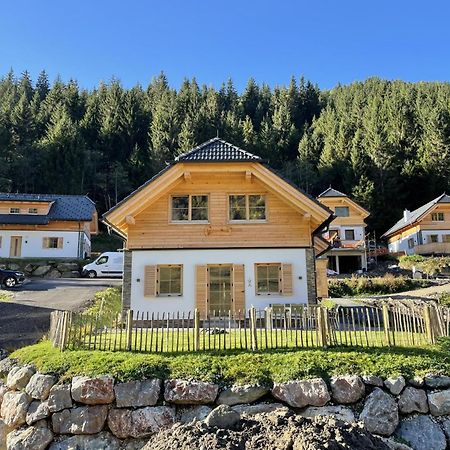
point(231, 222)
point(189, 222)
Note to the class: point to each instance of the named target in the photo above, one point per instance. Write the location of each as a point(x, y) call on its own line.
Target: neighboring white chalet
point(46, 226)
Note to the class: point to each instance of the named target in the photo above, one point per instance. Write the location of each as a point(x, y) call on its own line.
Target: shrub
point(429, 266)
point(106, 303)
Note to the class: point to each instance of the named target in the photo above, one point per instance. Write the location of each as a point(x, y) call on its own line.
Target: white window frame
point(189, 220)
point(436, 217)
point(247, 208)
point(14, 210)
point(32, 210)
point(280, 279)
point(158, 280)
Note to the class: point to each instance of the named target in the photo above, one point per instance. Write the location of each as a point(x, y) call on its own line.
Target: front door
point(220, 285)
point(15, 249)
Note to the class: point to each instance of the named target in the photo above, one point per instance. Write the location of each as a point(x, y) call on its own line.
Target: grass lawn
point(241, 366)
point(5, 296)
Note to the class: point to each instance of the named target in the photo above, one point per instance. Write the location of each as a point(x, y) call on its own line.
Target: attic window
point(14, 210)
point(341, 211)
point(189, 208)
point(437, 217)
point(32, 211)
point(247, 207)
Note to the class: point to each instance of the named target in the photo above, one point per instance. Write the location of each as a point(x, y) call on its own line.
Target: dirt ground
point(271, 431)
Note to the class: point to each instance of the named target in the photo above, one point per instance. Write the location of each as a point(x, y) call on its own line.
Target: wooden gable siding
point(427, 224)
point(356, 215)
point(404, 233)
point(42, 207)
point(284, 227)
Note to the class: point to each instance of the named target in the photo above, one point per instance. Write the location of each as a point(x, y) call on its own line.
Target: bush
point(389, 284)
point(106, 303)
point(429, 266)
point(444, 299)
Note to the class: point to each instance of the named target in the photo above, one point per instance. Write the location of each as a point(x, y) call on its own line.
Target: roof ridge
point(332, 189)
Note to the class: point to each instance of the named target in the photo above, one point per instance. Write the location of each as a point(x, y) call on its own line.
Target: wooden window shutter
point(150, 281)
point(239, 288)
point(60, 242)
point(286, 279)
point(0, 242)
point(201, 290)
point(45, 242)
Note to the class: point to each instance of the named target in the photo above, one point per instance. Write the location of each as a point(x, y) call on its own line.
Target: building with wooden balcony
point(424, 231)
point(346, 233)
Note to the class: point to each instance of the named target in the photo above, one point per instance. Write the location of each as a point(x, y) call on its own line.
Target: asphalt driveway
point(26, 318)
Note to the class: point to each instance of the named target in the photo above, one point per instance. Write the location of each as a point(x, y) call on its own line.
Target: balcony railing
point(433, 247)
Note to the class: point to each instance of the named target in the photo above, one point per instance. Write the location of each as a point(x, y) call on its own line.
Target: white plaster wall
point(402, 245)
point(440, 234)
point(191, 258)
point(32, 244)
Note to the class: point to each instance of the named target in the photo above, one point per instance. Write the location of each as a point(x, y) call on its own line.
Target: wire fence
point(296, 326)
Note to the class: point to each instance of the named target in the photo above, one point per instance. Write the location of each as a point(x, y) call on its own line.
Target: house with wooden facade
point(219, 230)
point(46, 226)
point(346, 233)
point(424, 231)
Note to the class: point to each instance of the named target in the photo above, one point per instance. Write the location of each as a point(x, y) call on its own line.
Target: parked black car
point(11, 278)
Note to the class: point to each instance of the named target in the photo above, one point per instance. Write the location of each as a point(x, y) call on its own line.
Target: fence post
point(129, 329)
point(428, 324)
point(387, 325)
point(321, 327)
point(196, 330)
point(253, 337)
point(65, 329)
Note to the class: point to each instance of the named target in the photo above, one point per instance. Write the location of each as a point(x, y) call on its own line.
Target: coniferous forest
point(386, 143)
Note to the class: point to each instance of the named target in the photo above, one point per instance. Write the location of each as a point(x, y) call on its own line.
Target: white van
point(108, 264)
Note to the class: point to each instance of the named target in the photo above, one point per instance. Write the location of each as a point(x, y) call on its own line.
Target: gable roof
point(416, 215)
point(217, 150)
point(64, 207)
point(330, 192)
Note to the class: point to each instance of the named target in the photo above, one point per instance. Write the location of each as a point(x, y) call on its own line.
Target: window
point(102, 260)
point(446, 238)
point(437, 217)
point(268, 278)
point(432, 238)
point(341, 211)
point(32, 211)
point(170, 280)
point(411, 243)
point(190, 208)
point(247, 207)
point(52, 242)
point(349, 235)
point(14, 210)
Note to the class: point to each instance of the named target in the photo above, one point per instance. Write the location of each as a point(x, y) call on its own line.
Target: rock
point(6, 364)
point(196, 413)
point(81, 420)
point(184, 392)
point(101, 441)
point(37, 411)
point(439, 402)
point(32, 438)
point(72, 274)
point(394, 445)
point(41, 271)
point(259, 408)
point(372, 380)
point(137, 393)
point(416, 382)
point(395, 385)
point(413, 400)
point(299, 394)
point(241, 394)
point(39, 386)
point(421, 433)
point(4, 430)
point(339, 412)
point(437, 381)
point(139, 423)
point(347, 389)
point(53, 274)
point(14, 408)
point(29, 268)
point(19, 377)
point(223, 417)
point(3, 390)
point(59, 398)
point(380, 413)
point(93, 391)
point(67, 267)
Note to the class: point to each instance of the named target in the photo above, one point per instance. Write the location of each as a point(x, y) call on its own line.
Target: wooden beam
point(130, 220)
point(187, 176)
point(248, 176)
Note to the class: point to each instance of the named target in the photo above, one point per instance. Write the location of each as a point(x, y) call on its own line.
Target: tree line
point(386, 143)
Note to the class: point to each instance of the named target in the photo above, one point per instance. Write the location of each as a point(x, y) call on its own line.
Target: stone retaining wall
point(38, 412)
point(45, 268)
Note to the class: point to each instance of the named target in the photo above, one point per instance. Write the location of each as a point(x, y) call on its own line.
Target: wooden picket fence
point(272, 328)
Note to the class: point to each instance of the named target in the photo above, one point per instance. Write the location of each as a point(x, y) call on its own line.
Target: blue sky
point(326, 41)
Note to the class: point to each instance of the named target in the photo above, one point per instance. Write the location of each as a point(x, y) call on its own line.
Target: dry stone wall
point(38, 412)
